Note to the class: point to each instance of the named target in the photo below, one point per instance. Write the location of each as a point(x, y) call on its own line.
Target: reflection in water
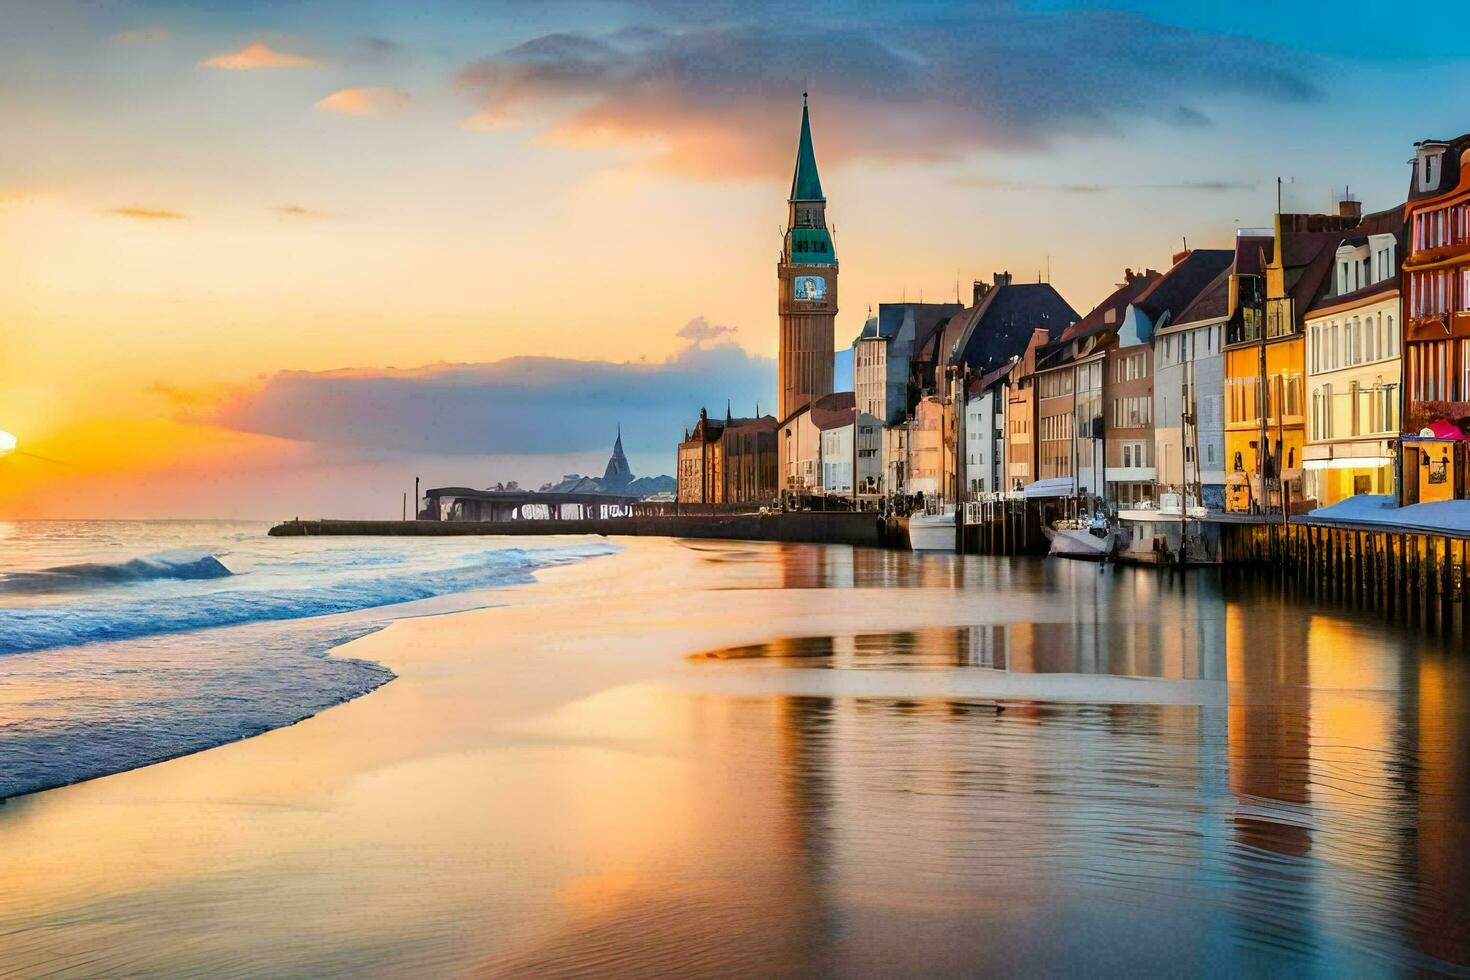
point(1316, 820)
point(1122, 648)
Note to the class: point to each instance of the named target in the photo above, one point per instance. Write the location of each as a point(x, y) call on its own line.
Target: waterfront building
point(1353, 366)
point(806, 276)
point(896, 443)
point(930, 466)
point(1129, 446)
point(1436, 335)
point(883, 353)
point(1021, 448)
point(992, 331)
point(730, 461)
point(1189, 380)
point(985, 431)
point(849, 442)
point(1265, 362)
point(1069, 390)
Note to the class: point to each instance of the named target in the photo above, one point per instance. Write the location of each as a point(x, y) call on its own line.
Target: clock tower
point(806, 277)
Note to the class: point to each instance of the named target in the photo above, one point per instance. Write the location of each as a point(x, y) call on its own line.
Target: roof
point(1173, 292)
point(1134, 285)
point(1307, 258)
point(806, 185)
point(1250, 254)
point(983, 383)
point(1450, 173)
point(1212, 303)
point(1387, 222)
point(998, 328)
point(835, 410)
point(926, 316)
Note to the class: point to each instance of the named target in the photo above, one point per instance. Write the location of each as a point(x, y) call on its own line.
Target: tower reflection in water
point(1318, 818)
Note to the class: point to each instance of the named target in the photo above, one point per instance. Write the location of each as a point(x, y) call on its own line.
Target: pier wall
point(1414, 577)
point(832, 527)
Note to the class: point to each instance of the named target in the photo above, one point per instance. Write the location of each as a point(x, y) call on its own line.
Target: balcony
point(1280, 317)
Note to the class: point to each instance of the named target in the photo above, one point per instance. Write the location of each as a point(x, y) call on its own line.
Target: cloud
point(297, 211)
point(141, 35)
point(381, 48)
point(146, 214)
point(522, 405)
point(259, 55)
point(366, 101)
point(717, 98)
point(699, 331)
point(1202, 186)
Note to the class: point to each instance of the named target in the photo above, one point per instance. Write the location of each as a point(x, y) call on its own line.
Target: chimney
point(981, 288)
point(1350, 207)
point(1180, 256)
point(1001, 278)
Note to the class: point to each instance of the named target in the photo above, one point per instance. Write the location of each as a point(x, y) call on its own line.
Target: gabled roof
point(999, 327)
point(1134, 285)
point(1173, 292)
point(1212, 303)
point(806, 185)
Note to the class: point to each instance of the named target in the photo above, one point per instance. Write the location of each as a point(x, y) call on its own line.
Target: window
point(1132, 413)
point(1134, 454)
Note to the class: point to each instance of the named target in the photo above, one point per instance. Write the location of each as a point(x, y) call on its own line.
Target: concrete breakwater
point(832, 527)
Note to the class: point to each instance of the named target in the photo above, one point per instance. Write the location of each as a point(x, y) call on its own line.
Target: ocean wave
point(69, 624)
point(68, 578)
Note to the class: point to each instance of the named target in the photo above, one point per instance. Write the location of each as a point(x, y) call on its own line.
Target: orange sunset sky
point(262, 260)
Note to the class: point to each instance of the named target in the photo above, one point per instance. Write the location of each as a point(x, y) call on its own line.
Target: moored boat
point(1092, 539)
point(932, 531)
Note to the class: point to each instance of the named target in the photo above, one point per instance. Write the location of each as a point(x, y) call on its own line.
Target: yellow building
point(1276, 280)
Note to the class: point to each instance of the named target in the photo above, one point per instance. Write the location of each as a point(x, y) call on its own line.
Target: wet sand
point(557, 785)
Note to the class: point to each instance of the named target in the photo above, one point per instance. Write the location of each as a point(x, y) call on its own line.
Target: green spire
point(805, 184)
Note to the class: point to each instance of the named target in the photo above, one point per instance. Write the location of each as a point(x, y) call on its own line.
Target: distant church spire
point(618, 473)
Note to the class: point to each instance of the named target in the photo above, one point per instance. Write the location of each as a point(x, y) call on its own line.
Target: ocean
point(124, 643)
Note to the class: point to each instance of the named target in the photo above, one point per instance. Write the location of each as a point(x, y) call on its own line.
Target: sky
point(272, 259)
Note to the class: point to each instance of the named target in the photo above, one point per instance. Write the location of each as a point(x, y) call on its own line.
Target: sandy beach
point(557, 785)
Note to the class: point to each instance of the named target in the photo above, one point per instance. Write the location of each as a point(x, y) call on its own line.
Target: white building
point(1353, 337)
point(985, 433)
point(855, 441)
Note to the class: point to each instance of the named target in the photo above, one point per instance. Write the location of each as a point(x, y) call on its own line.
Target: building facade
point(733, 461)
point(1265, 364)
point(985, 432)
point(1353, 367)
point(806, 280)
point(1189, 380)
point(883, 354)
point(1436, 336)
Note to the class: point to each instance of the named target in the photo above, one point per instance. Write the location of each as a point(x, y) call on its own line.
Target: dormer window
point(1431, 168)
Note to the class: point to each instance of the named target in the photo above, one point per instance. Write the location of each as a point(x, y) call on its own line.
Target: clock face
point(811, 289)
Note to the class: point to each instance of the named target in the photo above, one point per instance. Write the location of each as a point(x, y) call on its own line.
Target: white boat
point(1087, 538)
point(1156, 535)
point(932, 532)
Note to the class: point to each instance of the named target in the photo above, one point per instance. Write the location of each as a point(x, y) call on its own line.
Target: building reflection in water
point(1320, 819)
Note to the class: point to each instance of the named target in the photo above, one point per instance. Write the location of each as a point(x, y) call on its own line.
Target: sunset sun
point(7, 443)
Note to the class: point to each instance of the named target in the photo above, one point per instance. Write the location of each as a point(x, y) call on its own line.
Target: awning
point(1443, 429)
point(1348, 463)
point(1059, 486)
